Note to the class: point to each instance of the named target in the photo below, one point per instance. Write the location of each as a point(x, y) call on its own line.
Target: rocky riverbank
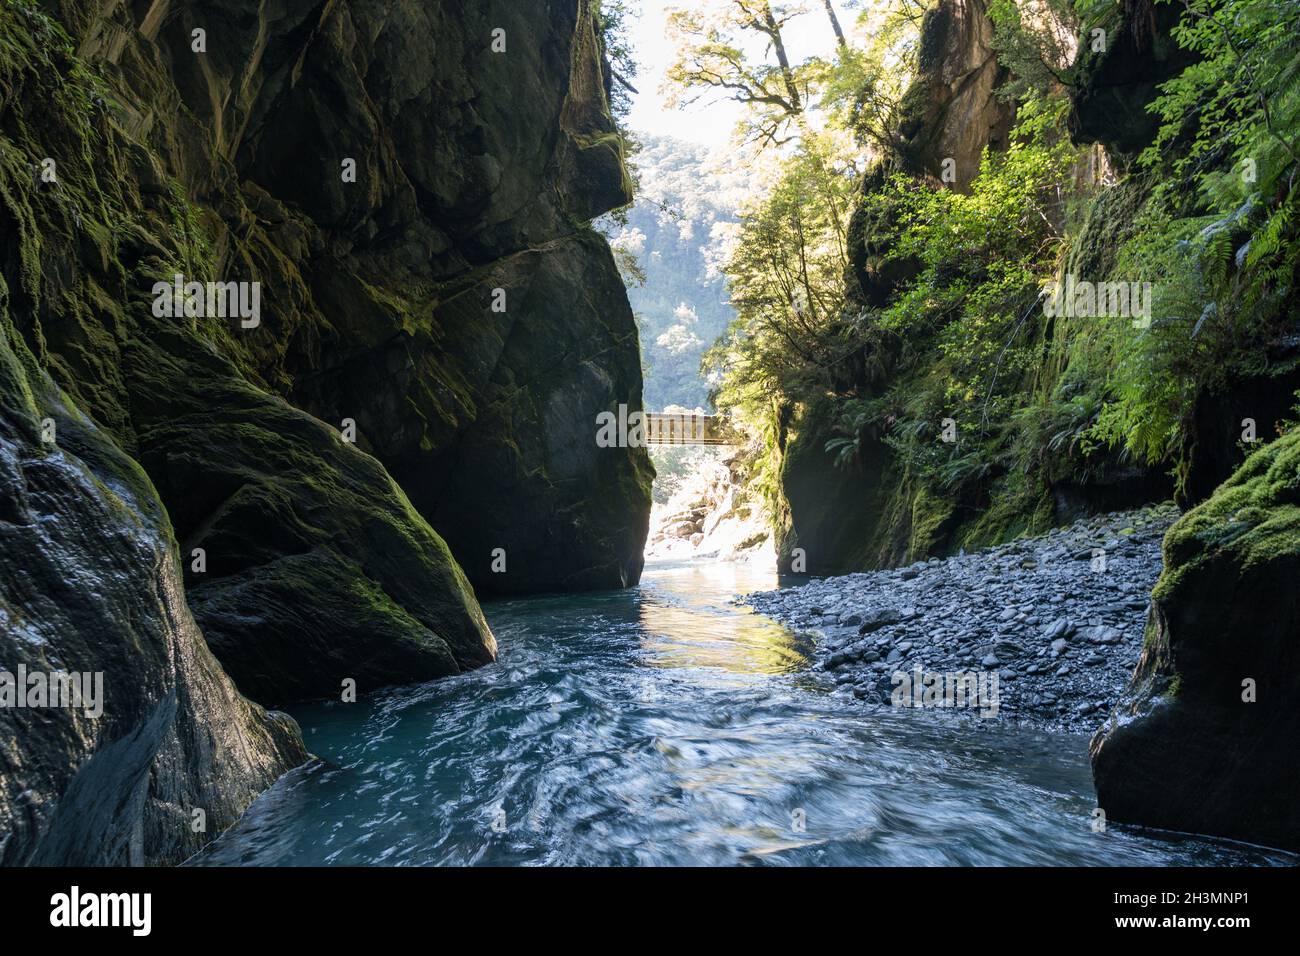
point(1058, 619)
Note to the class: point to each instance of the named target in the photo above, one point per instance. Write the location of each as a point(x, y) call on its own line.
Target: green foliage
point(786, 280)
point(1034, 44)
point(1207, 218)
point(612, 20)
point(861, 87)
point(1242, 98)
point(1223, 255)
point(970, 318)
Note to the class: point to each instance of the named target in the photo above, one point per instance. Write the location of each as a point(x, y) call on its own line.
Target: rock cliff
point(90, 583)
point(404, 190)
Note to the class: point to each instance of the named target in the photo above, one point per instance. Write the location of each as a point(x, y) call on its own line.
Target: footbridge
point(688, 428)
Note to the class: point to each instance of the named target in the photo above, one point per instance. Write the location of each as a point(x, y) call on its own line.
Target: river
point(666, 725)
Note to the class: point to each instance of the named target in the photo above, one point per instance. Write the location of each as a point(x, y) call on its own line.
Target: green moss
point(266, 489)
point(1252, 519)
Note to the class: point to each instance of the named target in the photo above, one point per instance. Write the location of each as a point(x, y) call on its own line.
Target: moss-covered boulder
point(1206, 738)
point(315, 567)
point(90, 583)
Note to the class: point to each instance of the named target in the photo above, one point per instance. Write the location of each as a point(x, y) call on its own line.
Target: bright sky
point(710, 124)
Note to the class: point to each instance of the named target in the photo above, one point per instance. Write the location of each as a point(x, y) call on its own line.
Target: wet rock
point(1058, 629)
point(881, 617)
point(1204, 737)
point(90, 583)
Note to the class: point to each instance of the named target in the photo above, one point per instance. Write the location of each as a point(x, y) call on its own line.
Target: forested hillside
point(670, 243)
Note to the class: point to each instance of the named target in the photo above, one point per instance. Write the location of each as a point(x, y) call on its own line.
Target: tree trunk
point(773, 30)
point(835, 25)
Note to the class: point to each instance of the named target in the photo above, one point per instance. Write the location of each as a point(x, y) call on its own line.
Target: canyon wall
point(313, 491)
point(872, 516)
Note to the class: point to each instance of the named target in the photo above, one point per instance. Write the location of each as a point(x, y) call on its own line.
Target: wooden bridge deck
point(670, 429)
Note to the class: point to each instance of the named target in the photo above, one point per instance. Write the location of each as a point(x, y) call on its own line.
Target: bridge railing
point(666, 428)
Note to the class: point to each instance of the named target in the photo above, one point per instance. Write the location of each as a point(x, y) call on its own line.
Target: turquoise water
point(665, 725)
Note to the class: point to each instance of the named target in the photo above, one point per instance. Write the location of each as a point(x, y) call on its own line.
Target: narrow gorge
point(309, 312)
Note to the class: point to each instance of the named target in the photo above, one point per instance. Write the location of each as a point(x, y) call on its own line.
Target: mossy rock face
point(494, 432)
point(1205, 739)
point(1113, 87)
point(318, 568)
point(1212, 449)
point(834, 514)
point(865, 516)
point(375, 307)
point(527, 475)
point(90, 583)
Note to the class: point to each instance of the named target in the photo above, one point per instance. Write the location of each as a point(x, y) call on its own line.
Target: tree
point(712, 39)
point(786, 282)
point(611, 20)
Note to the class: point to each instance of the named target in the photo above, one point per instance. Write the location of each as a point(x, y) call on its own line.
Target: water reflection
point(708, 630)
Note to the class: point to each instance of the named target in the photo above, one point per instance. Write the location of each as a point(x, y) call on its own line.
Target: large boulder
point(1205, 739)
point(168, 754)
point(452, 301)
point(315, 566)
point(526, 475)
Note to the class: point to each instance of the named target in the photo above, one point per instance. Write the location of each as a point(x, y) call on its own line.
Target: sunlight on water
point(706, 630)
point(664, 725)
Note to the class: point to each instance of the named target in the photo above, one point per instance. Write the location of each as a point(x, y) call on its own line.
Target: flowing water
point(665, 725)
